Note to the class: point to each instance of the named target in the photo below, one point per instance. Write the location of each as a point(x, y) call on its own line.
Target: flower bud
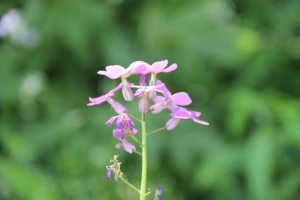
point(144, 103)
point(127, 93)
point(152, 82)
point(108, 173)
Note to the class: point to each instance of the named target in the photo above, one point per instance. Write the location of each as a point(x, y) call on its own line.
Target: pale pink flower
point(117, 71)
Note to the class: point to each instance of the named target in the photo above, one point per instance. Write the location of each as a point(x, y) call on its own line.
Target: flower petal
point(134, 131)
point(199, 121)
point(172, 123)
point(159, 191)
point(112, 92)
point(119, 134)
point(99, 100)
point(181, 98)
point(108, 173)
point(169, 69)
point(157, 108)
point(181, 114)
point(195, 113)
point(159, 66)
point(111, 120)
point(113, 71)
point(163, 89)
point(136, 67)
point(128, 146)
point(159, 99)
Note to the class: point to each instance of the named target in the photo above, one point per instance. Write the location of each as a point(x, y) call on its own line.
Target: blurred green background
point(238, 60)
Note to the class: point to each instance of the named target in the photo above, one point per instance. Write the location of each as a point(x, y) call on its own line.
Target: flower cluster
point(156, 92)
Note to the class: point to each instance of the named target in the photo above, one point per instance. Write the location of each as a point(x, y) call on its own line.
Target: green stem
point(126, 182)
point(135, 139)
point(144, 158)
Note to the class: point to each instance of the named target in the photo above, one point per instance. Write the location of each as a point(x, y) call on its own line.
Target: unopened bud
point(152, 82)
point(127, 93)
point(159, 191)
point(144, 103)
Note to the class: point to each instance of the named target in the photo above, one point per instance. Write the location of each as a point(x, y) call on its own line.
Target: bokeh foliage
point(238, 60)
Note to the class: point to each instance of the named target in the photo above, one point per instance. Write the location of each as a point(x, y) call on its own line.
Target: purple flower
point(123, 123)
point(120, 135)
point(159, 191)
point(108, 173)
point(169, 101)
point(125, 128)
point(181, 113)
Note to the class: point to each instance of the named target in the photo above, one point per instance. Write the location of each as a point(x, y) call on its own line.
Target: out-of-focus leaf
point(28, 183)
point(259, 160)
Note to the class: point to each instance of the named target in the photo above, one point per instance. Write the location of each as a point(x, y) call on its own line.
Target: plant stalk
point(144, 158)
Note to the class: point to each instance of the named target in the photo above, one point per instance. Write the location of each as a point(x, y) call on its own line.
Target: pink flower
point(169, 101)
point(119, 108)
point(181, 113)
point(116, 71)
